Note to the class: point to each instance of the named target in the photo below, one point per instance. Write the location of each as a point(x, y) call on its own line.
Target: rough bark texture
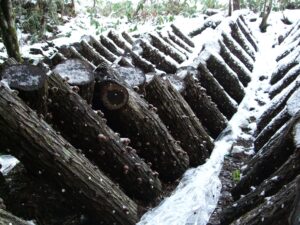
point(179, 42)
point(127, 37)
point(73, 53)
point(43, 150)
point(246, 31)
point(7, 218)
point(202, 105)
point(186, 39)
point(31, 84)
point(216, 92)
point(173, 44)
point(142, 63)
point(101, 49)
point(118, 41)
point(208, 23)
point(110, 45)
point(86, 130)
point(282, 71)
point(180, 120)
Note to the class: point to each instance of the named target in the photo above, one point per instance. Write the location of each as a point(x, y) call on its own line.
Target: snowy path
point(197, 195)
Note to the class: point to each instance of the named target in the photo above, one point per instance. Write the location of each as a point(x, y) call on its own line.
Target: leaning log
point(179, 42)
point(31, 83)
point(208, 23)
point(75, 54)
point(183, 37)
point(172, 43)
point(78, 74)
point(7, 218)
point(149, 135)
point(275, 210)
point(246, 32)
point(294, 217)
point(127, 37)
point(218, 95)
point(44, 150)
point(86, 130)
point(142, 63)
point(175, 112)
point(57, 58)
point(118, 40)
point(110, 45)
point(202, 105)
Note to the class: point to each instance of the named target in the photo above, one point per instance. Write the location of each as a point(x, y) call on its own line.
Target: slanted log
point(288, 50)
point(79, 75)
point(86, 130)
point(106, 53)
point(42, 149)
point(207, 23)
point(7, 218)
point(179, 42)
point(127, 37)
point(149, 135)
point(173, 44)
point(183, 37)
point(240, 38)
point(206, 110)
point(269, 158)
point(31, 84)
point(285, 174)
point(275, 210)
point(118, 40)
point(235, 64)
point(217, 93)
point(281, 71)
point(175, 112)
point(166, 48)
point(226, 77)
point(57, 58)
point(157, 58)
point(294, 217)
point(247, 33)
point(238, 51)
point(110, 45)
point(76, 55)
point(142, 63)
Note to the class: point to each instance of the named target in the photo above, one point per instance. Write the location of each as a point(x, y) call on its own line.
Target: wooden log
point(285, 174)
point(175, 112)
point(157, 58)
point(86, 130)
point(127, 37)
point(149, 135)
point(268, 159)
point(75, 54)
point(281, 71)
point(57, 58)
point(110, 45)
point(290, 76)
point(43, 150)
point(206, 110)
point(133, 77)
point(240, 38)
point(142, 63)
point(179, 42)
point(226, 77)
point(247, 34)
point(183, 37)
point(218, 95)
point(31, 84)
point(7, 218)
point(294, 217)
point(238, 51)
point(207, 24)
point(173, 44)
point(235, 64)
point(275, 210)
point(167, 49)
point(288, 50)
point(118, 40)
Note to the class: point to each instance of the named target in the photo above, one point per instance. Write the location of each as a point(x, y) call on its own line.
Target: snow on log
point(246, 31)
point(208, 23)
point(142, 63)
point(217, 93)
point(179, 42)
point(57, 58)
point(106, 53)
point(288, 50)
point(118, 40)
point(7, 218)
point(238, 51)
point(110, 45)
point(149, 135)
point(133, 77)
point(182, 36)
point(31, 84)
point(86, 130)
point(42, 149)
point(127, 37)
point(175, 112)
point(79, 75)
point(75, 54)
point(206, 110)
point(235, 64)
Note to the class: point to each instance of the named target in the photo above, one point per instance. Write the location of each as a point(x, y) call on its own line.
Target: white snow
point(7, 162)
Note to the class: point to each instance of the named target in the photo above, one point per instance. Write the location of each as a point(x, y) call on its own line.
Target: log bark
point(142, 63)
point(86, 130)
point(7, 218)
point(173, 44)
point(235, 64)
point(238, 51)
point(182, 36)
point(179, 42)
point(79, 75)
point(282, 71)
point(175, 112)
point(206, 110)
point(246, 31)
point(294, 217)
point(268, 159)
point(43, 150)
point(118, 40)
point(275, 210)
point(285, 174)
point(218, 95)
point(149, 135)
point(226, 77)
point(31, 84)
point(207, 24)
point(71, 52)
point(57, 58)
point(287, 51)
point(110, 45)
point(127, 37)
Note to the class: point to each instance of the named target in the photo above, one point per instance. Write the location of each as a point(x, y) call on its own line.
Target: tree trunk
point(8, 30)
point(173, 44)
point(7, 218)
point(86, 130)
point(202, 105)
point(230, 8)
point(45, 151)
point(267, 10)
point(178, 116)
point(294, 218)
point(236, 5)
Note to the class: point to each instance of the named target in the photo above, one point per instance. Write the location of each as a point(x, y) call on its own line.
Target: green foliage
point(236, 175)
point(211, 4)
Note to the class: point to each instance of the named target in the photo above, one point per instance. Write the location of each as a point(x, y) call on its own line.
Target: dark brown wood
point(218, 95)
point(175, 112)
point(7, 218)
point(274, 211)
point(226, 77)
point(149, 135)
point(110, 45)
point(166, 48)
point(31, 84)
point(173, 44)
point(118, 40)
point(247, 33)
point(238, 51)
point(182, 36)
point(157, 58)
point(179, 42)
point(206, 110)
point(86, 130)
point(127, 37)
point(142, 63)
point(79, 75)
point(42, 149)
